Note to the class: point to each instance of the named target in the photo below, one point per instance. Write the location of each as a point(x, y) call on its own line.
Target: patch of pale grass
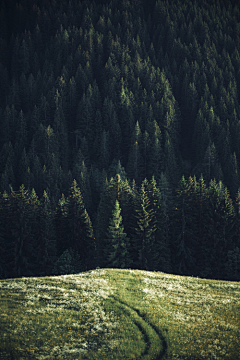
point(201, 316)
point(56, 317)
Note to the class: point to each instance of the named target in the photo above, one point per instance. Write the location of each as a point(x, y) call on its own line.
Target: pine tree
point(117, 243)
point(104, 150)
point(183, 231)
point(236, 238)
point(24, 57)
point(145, 228)
point(46, 144)
point(171, 166)
point(145, 153)
point(23, 169)
point(37, 175)
point(61, 226)
point(85, 117)
point(20, 222)
point(162, 258)
point(117, 168)
point(85, 187)
point(68, 263)
point(21, 133)
point(211, 168)
point(220, 213)
point(167, 205)
point(232, 174)
point(199, 200)
point(201, 137)
point(232, 266)
point(72, 94)
point(44, 109)
point(34, 226)
point(97, 136)
point(156, 159)
point(115, 137)
point(47, 237)
point(115, 189)
point(61, 138)
point(81, 238)
point(135, 160)
point(7, 163)
point(32, 91)
point(7, 125)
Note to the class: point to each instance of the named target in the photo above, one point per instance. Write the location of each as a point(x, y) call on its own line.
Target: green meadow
point(119, 314)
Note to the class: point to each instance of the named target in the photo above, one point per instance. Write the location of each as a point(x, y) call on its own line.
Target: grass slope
point(119, 314)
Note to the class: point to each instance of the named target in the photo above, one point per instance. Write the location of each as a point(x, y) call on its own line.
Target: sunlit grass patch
point(202, 316)
point(119, 314)
point(58, 317)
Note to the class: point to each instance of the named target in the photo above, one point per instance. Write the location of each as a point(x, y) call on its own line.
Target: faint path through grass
point(155, 343)
point(129, 295)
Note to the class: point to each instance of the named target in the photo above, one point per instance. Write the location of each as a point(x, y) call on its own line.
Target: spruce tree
point(47, 237)
point(34, 225)
point(116, 189)
point(220, 223)
point(199, 199)
point(117, 242)
point(104, 151)
point(171, 166)
point(156, 160)
point(135, 164)
point(162, 257)
point(201, 138)
point(236, 237)
point(68, 263)
point(145, 227)
point(80, 238)
point(183, 231)
point(61, 225)
point(211, 167)
point(232, 266)
point(20, 223)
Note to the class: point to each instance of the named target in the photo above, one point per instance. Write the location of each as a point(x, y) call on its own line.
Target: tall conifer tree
point(117, 243)
point(81, 237)
point(144, 239)
point(220, 227)
point(47, 236)
point(162, 258)
point(183, 231)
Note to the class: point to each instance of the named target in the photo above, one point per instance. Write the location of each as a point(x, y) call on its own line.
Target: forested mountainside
point(119, 141)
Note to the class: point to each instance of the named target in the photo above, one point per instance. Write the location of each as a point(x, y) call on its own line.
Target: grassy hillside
point(119, 314)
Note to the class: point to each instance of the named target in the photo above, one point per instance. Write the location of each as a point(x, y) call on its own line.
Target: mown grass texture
point(119, 314)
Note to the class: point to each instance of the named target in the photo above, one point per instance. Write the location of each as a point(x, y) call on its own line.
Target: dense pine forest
point(120, 136)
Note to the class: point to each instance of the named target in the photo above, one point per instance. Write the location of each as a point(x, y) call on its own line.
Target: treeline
point(91, 89)
point(33, 235)
point(194, 231)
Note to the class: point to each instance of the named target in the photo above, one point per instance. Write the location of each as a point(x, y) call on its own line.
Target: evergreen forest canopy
point(119, 142)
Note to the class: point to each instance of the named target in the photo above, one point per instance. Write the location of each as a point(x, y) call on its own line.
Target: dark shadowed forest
point(120, 136)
